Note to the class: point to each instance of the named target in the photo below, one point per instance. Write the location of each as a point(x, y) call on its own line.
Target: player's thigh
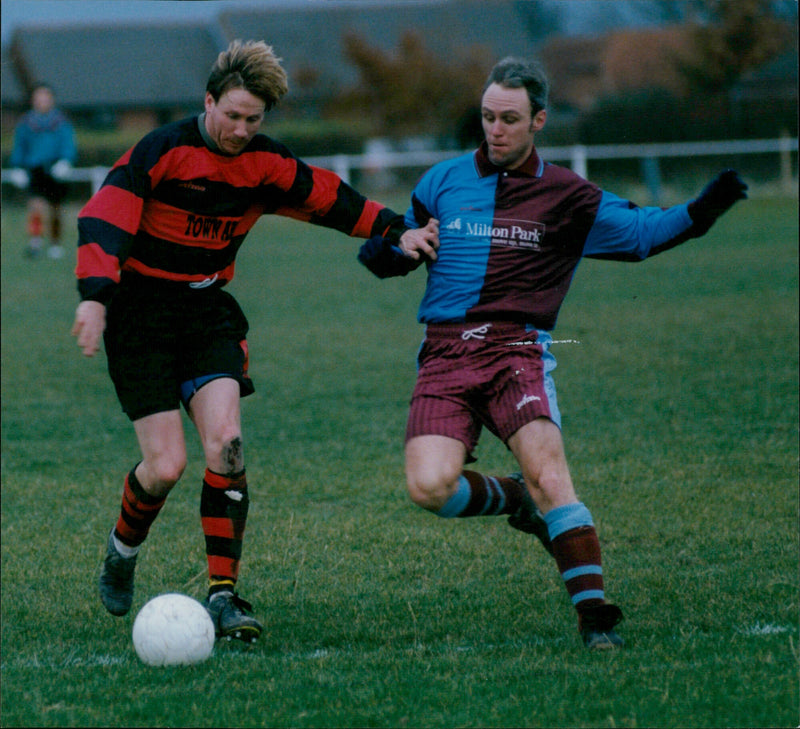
point(539, 449)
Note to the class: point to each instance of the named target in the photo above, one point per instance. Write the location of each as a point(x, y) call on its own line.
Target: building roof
point(121, 66)
point(310, 40)
point(13, 94)
point(161, 64)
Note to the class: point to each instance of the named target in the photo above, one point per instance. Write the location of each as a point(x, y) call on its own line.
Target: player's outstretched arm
point(90, 323)
point(719, 196)
point(415, 246)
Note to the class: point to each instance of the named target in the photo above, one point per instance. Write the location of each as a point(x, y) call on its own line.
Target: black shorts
point(159, 336)
point(43, 184)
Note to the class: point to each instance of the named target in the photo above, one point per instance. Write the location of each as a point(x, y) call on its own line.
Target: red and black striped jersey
point(174, 209)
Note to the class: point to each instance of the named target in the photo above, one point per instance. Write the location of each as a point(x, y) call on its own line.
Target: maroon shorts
point(470, 375)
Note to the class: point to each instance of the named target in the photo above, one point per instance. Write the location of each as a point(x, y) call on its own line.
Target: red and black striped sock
point(139, 510)
point(223, 512)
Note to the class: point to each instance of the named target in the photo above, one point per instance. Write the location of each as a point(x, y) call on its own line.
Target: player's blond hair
point(249, 65)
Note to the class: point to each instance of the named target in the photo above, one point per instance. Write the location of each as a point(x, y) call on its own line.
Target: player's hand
point(19, 178)
point(719, 195)
point(61, 169)
point(90, 323)
point(419, 242)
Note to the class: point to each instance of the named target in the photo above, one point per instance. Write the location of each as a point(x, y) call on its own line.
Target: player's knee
point(166, 471)
point(231, 454)
point(552, 487)
point(433, 466)
point(429, 490)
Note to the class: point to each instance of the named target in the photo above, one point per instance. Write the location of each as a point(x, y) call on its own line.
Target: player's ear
point(539, 119)
point(209, 102)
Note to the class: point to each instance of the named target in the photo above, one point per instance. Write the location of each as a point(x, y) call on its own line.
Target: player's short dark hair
point(252, 66)
point(515, 73)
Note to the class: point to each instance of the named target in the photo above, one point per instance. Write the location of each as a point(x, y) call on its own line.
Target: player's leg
point(444, 423)
point(140, 346)
point(145, 490)
point(55, 250)
point(36, 222)
point(539, 448)
point(224, 504)
point(437, 481)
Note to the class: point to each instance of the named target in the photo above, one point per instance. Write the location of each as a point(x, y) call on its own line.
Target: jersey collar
point(531, 167)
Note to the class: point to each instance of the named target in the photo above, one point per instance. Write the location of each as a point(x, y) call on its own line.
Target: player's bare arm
point(419, 242)
point(90, 323)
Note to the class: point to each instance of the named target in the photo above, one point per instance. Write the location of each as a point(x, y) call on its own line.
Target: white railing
point(93, 175)
point(577, 155)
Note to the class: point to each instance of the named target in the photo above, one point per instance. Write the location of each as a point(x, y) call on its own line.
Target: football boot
point(527, 518)
point(228, 612)
point(596, 624)
point(116, 580)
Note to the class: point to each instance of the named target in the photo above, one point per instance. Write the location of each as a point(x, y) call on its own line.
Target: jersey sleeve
point(67, 147)
point(320, 197)
point(623, 231)
point(107, 224)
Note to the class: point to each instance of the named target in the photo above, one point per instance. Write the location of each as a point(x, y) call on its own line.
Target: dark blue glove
point(718, 197)
point(385, 259)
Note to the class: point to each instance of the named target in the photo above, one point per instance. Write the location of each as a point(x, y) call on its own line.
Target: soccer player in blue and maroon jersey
point(513, 229)
point(157, 244)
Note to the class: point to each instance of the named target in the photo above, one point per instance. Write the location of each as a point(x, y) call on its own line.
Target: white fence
point(578, 157)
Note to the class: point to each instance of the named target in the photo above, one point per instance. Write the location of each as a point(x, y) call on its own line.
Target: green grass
point(680, 405)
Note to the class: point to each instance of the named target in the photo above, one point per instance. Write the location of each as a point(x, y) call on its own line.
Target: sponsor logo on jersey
point(510, 233)
point(199, 226)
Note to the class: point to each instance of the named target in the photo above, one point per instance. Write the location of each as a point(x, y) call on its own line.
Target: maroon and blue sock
point(576, 549)
point(479, 495)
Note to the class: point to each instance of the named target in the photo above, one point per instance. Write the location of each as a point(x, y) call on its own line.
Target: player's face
point(42, 100)
point(508, 126)
point(233, 120)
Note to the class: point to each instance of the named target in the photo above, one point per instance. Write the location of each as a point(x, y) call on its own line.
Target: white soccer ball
point(173, 630)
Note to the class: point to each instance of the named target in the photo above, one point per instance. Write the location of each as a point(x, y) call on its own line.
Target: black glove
point(718, 196)
point(385, 259)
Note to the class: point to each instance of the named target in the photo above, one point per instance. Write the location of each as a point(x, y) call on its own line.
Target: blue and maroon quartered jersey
point(510, 240)
point(174, 209)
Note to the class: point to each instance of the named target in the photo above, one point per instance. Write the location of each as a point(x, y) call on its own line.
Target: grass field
point(679, 391)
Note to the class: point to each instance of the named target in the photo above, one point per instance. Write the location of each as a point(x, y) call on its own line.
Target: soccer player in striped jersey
point(157, 244)
point(513, 229)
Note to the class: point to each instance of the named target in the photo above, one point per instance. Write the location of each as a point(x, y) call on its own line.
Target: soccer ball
point(172, 630)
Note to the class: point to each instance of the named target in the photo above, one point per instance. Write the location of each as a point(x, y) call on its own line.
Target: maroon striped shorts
point(494, 375)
